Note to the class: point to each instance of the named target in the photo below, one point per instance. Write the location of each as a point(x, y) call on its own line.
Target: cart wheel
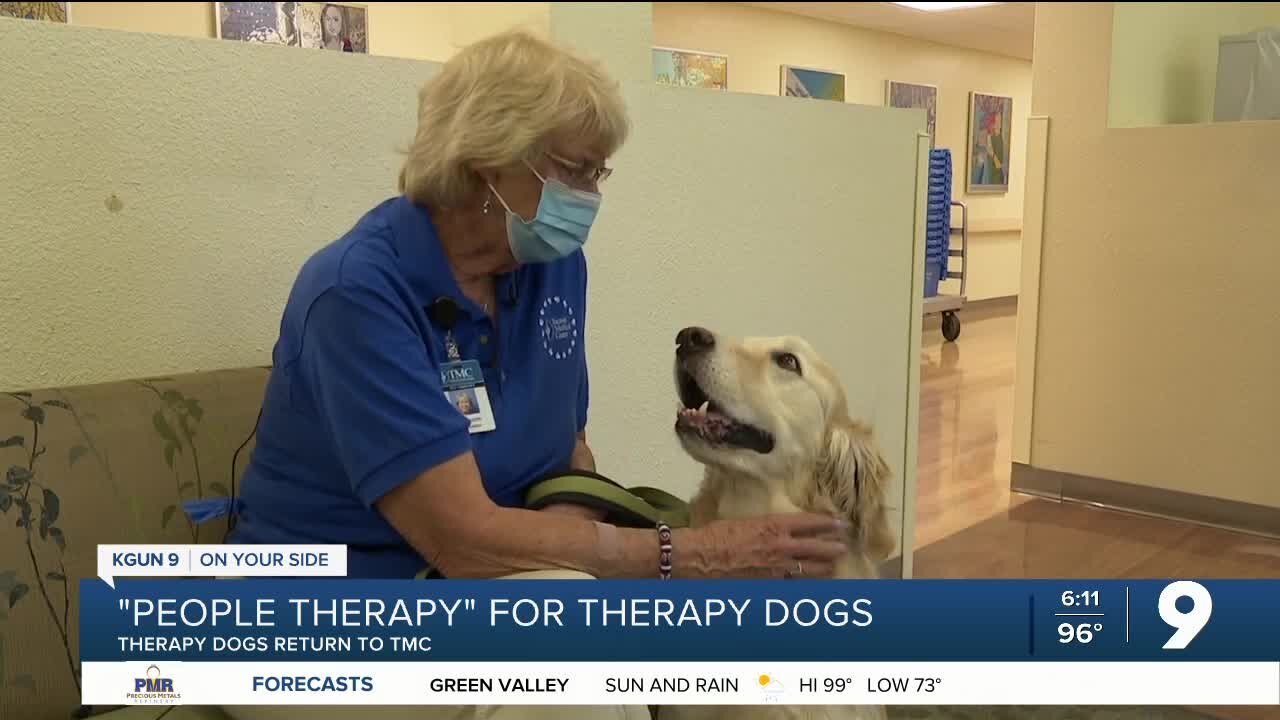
point(950, 326)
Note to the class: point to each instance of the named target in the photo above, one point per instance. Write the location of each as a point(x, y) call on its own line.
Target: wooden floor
point(969, 526)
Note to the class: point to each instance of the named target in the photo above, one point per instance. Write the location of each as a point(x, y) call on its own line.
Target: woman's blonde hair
point(498, 102)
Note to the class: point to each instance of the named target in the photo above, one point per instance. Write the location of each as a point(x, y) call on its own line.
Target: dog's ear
point(854, 475)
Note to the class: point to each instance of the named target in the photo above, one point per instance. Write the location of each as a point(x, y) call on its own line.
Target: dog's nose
point(693, 340)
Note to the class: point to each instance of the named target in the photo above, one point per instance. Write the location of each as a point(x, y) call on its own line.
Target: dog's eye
point(787, 361)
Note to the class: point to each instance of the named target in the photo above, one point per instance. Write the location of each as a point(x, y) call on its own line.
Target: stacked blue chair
point(937, 237)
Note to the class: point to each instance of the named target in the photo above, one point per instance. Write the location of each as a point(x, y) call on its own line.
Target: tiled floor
point(968, 525)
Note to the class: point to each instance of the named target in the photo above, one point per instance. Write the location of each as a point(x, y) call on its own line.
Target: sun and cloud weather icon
point(771, 688)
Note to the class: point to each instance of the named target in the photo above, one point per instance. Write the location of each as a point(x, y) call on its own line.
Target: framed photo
point(690, 68)
point(811, 83)
point(915, 95)
point(270, 23)
point(59, 12)
point(990, 126)
point(342, 27)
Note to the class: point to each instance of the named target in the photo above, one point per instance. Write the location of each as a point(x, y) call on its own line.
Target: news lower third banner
point(332, 640)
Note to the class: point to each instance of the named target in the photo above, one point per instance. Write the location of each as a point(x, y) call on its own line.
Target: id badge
point(464, 389)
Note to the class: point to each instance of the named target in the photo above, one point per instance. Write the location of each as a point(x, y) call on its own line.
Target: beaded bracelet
point(664, 548)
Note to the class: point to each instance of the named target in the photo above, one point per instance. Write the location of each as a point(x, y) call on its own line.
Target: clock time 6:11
point(1088, 598)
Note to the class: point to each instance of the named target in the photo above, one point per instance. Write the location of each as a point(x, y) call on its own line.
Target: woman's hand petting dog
point(770, 546)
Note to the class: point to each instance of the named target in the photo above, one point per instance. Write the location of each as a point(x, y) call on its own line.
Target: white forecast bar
point(924, 683)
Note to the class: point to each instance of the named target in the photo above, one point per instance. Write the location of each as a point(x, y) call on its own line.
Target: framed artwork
point(342, 27)
point(690, 68)
point(990, 125)
point(269, 23)
point(914, 95)
point(811, 83)
point(59, 12)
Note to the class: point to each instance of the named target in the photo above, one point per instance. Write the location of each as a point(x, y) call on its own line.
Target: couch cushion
point(94, 464)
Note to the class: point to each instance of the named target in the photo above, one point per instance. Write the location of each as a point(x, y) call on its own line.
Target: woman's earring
point(485, 209)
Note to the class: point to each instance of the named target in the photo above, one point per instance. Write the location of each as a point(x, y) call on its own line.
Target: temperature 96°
point(1081, 633)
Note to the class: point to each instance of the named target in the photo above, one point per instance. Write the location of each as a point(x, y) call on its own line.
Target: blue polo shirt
point(355, 405)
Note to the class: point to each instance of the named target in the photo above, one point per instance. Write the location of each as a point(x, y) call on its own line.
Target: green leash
point(635, 507)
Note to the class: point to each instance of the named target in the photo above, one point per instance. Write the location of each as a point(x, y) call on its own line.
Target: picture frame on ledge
point(678, 67)
point(816, 83)
point(915, 96)
point(989, 141)
point(336, 26)
point(56, 12)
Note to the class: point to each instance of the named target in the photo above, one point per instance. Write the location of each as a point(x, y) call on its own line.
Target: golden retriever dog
point(768, 420)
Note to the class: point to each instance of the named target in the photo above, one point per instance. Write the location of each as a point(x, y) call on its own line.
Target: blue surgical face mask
point(560, 226)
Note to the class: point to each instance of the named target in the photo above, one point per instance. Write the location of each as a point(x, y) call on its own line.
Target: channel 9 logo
point(153, 688)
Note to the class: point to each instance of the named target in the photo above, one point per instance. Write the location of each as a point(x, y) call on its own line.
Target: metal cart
point(949, 304)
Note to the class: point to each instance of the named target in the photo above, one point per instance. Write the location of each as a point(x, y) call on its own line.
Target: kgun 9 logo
point(1188, 624)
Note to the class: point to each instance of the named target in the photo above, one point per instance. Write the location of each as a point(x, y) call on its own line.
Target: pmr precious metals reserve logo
point(154, 688)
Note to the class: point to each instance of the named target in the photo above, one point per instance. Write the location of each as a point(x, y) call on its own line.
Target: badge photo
point(464, 389)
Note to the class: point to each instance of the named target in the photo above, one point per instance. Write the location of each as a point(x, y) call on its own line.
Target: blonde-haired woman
point(475, 271)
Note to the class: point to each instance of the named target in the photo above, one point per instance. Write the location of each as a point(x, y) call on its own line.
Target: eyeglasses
point(582, 174)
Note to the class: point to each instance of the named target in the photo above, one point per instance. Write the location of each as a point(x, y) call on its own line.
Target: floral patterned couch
point(105, 463)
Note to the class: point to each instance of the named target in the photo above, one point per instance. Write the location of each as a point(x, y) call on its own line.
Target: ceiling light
point(942, 6)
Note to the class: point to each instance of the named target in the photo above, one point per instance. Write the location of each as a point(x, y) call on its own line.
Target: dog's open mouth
point(702, 418)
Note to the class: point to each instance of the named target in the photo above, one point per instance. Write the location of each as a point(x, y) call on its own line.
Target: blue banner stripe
point(540, 620)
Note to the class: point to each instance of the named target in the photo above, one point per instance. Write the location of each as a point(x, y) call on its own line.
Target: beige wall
point(420, 31)
point(758, 41)
point(1164, 61)
point(191, 19)
point(162, 215)
point(1158, 332)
